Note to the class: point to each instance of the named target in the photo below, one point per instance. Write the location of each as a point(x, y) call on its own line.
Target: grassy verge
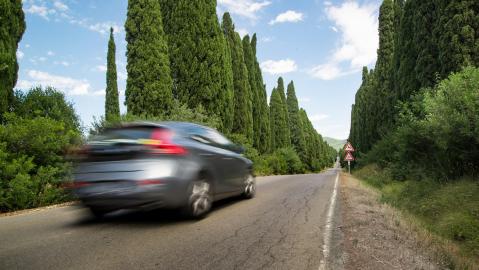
point(450, 211)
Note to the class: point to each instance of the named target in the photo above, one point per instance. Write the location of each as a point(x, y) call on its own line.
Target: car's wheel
point(200, 199)
point(249, 187)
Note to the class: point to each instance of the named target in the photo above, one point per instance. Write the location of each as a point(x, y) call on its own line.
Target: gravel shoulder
point(375, 236)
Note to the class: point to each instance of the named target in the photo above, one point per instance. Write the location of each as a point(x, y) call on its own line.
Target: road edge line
point(328, 227)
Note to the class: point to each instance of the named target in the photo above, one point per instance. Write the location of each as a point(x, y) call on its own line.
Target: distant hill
point(335, 143)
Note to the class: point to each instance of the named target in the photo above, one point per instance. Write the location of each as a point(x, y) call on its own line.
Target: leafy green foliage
point(12, 27)
point(112, 104)
point(263, 133)
point(243, 111)
point(34, 141)
point(149, 84)
point(46, 102)
point(295, 124)
point(200, 59)
point(250, 58)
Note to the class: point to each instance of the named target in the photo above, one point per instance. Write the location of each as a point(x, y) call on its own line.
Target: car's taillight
point(161, 142)
point(149, 182)
point(75, 185)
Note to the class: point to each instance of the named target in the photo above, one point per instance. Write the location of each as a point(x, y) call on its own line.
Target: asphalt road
point(282, 228)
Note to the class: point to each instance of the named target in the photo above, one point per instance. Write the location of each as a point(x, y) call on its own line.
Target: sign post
point(349, 149)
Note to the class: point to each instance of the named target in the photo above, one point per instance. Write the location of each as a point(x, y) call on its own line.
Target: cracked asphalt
point(282, 228)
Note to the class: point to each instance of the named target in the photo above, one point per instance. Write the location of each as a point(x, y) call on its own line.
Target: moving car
point(161, 165)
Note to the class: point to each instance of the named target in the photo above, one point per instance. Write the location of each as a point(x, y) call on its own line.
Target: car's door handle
point(206, 155)
point(228, 158)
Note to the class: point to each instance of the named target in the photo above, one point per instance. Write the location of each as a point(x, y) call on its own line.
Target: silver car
point(161, 165)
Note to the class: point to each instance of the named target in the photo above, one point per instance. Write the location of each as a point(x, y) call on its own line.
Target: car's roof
point(169, 124)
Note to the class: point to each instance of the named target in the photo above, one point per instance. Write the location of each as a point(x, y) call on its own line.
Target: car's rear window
point(129, 133)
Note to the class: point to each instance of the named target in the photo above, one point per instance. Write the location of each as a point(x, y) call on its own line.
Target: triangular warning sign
point(349, 147)
point(349, 157)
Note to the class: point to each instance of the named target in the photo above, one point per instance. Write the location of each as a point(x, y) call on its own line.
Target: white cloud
point(50, 53)
point(334, 29)
point(60, 5)
point(244, 8)
point(27, 46)
point(100, 92)
point(41, 11)
point(242, 32)
point(42, 59)
point(20, 54)
point(288, 16)
point(69, 85)
point(279, 67)
point(358, 26)
point(104, 27)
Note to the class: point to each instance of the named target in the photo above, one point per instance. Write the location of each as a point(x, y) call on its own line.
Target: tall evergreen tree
point(263, 142)
point(149, 83)
point(200, 58)
point(249, 58)
point(427, 64)
point(12, 27)
point(243, 112)
point(383, 94)
point(278, 122)
point(281, 92)
point(406, 82)
point(112, 104)
point(295, 125)
point(458, 29)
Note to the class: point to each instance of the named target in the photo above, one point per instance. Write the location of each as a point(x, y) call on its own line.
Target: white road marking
point(323, 265)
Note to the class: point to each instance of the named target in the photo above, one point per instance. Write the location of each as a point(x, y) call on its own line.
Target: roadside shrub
point(285, 161)
point(34, 141)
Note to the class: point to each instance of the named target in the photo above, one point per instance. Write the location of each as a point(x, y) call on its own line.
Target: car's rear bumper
point(171, 194)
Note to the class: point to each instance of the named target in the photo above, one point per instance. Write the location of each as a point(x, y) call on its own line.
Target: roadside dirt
point(374, 235)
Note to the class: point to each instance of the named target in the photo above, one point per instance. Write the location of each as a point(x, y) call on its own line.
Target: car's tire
point(200, 199)
point(97, 212)
point(249, 187)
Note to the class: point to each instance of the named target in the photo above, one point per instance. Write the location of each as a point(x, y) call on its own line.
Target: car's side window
point(217, 138)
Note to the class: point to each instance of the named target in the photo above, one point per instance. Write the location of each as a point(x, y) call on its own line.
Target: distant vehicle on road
point(161, 165)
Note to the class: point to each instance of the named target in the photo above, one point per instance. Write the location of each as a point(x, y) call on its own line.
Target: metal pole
point(349, 166)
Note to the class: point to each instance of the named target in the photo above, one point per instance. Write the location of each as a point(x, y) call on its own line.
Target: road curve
point(282, 228)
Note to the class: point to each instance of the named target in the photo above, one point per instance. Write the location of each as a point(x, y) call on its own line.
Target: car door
point(233, 166)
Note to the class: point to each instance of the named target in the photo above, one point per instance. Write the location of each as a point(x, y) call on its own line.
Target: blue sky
point(320, 45)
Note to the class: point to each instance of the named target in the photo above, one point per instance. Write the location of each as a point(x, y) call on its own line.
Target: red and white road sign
point(349, 147)
point(349, 157)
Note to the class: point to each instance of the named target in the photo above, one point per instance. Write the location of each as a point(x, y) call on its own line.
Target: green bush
point(34, 141)
point(437, 135)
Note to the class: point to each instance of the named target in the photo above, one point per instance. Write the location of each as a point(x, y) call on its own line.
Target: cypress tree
point(383, 95)
point(458, 35)
point(200, 58)
point(427, 64)
point(12, 27)
point(406, 82)
point(112, 106)
point(243, 114)
point(263, 144)
point(281, 92)
point(149, 83)
point(278, 121)
point(297, 135)
point(249, 58)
